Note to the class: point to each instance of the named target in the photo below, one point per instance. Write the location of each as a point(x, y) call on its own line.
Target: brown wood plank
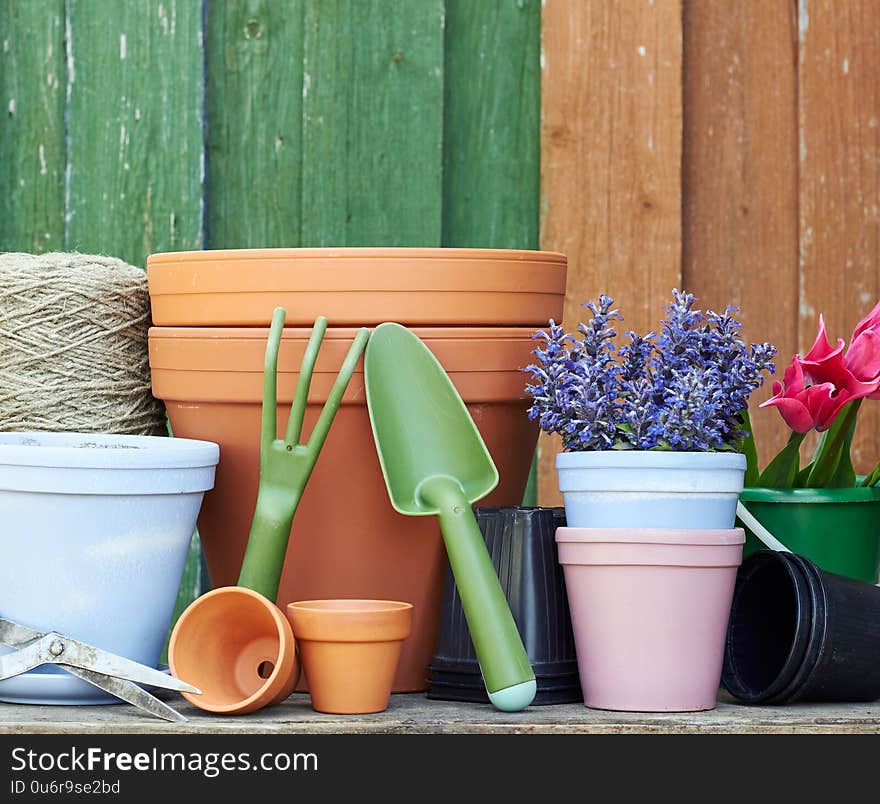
point(839, 117)
point(414, 714)
point(740, 215)
point(611, 158)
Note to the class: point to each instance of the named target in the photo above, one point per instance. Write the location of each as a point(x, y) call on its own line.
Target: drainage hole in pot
point(763, 627)
point(265, 669)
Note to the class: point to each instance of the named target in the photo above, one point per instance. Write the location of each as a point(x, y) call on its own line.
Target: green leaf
point(830, 452)
point(872, 478)
point(801, 479)
point(844, 476)
point(748, 448)
point(781, 472)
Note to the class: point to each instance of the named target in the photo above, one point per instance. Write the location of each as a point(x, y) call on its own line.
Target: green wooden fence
point(134, 126)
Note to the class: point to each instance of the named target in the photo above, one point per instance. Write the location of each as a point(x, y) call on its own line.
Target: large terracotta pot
point(347, 541)
point(357, 286)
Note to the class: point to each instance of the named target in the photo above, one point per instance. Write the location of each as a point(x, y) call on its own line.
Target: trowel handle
point(504, 662)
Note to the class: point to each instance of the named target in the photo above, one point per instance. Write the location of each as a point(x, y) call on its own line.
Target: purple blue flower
point(685, 389)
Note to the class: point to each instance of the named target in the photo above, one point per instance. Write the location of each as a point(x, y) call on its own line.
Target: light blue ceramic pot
point(650, 489)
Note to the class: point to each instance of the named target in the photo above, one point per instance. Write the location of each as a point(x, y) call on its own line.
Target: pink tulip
point(817, 386)
point(863, 355)
point(804, 406)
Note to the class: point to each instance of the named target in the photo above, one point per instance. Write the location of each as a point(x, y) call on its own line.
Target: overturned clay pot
point(238, 648)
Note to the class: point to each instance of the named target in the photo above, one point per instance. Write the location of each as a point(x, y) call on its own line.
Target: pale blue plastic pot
point(95, 533)
point(651, 489)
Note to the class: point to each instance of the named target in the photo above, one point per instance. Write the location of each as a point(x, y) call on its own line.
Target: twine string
point(73, 345)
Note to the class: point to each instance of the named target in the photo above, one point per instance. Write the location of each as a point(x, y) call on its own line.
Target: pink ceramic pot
point(649, 609)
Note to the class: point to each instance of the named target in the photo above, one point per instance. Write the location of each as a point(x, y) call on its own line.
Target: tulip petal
point(863, 355)
point(795, 413)
point(870, 321)
point(793, 379)
point(821, 350)
point(824, 402)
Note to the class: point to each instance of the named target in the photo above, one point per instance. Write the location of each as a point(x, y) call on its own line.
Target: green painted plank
point(254, 109)
point(135, 144)
point(372, 122)
point(136, 156)
point(492, 140)
point(32, 93)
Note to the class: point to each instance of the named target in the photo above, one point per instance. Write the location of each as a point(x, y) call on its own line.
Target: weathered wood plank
point(413, 714)
point(136, 159)
point(32, 95)
point(372, 123)
point(611, 158)
point(136, 156)
point(740, 184)
point(254, 107)
point(839, 116)
point(492, 131)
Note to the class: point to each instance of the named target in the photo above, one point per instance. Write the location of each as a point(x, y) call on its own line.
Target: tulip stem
point(832, 464)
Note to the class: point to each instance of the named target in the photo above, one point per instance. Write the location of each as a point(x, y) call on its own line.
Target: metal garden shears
point(107, 671)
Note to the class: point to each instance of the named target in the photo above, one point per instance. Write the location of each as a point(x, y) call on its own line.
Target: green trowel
point(435, 463)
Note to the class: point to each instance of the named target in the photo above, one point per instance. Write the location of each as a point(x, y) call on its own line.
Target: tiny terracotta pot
point(350, 650)
point(241, 649)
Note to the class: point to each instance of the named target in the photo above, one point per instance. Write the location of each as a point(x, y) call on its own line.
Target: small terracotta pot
point(347, 541)
point(241, 649)
point(350, 650)
point(357, 286)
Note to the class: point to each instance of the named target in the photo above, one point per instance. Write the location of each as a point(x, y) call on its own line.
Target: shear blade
point(129, 692)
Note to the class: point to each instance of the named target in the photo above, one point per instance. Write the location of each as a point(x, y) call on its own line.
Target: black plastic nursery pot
point(521, 542)
point(798, 633)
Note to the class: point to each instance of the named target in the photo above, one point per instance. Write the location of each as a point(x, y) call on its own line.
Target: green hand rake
point(286, 464)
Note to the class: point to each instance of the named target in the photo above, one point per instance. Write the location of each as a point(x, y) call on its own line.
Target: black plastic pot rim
point(806, 648)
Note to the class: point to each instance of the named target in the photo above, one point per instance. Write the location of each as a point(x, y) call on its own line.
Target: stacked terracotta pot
point(476, 310)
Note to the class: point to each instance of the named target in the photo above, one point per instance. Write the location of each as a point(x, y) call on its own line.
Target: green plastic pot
point(838, 529)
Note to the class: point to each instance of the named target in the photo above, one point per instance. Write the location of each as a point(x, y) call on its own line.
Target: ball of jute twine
point(73, 346)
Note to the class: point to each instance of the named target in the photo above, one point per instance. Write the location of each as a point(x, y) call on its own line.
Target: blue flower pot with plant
point(653, 430)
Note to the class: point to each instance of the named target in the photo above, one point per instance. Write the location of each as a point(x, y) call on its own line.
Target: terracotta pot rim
point(274, 682)
point(406, 253)
point(350, 606)
point(350, 620)
point(225, 333)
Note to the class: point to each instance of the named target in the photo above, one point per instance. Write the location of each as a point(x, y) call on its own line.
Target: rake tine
point(301, 395)
point(334, 399)
point(270, 381)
